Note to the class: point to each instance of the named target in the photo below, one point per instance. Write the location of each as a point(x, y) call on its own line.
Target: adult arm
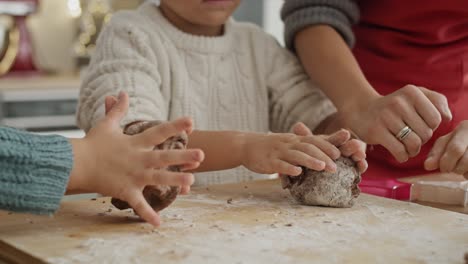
point(320, 32)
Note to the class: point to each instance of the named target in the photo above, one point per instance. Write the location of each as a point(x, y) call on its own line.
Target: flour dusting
point(202, 229)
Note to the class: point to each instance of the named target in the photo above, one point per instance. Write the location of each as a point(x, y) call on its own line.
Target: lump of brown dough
point(158, 196)
point(322, 188)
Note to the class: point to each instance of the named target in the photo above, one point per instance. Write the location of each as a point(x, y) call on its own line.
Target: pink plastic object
point(385, 187)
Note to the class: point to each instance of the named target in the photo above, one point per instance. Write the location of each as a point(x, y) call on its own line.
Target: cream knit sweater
point(242, 80)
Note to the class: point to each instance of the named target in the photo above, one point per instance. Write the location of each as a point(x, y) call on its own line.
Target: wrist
point(359, 101)
point(82, 166)
point(242, 140)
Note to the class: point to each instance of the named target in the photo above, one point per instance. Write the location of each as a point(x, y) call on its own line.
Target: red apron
point(420, 42)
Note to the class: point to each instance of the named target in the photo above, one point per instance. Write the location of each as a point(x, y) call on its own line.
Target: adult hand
point(353, 148)
point(379, 119)
point(450, 152)
point(111, 163)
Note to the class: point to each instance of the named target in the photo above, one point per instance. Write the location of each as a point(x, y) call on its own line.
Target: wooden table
point(254, 222)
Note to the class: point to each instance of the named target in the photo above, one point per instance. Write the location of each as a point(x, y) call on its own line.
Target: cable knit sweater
point(34, 171)
point(339, 14)
point(242, 80)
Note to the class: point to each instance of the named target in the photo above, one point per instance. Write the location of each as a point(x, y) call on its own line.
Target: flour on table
point(244, 230)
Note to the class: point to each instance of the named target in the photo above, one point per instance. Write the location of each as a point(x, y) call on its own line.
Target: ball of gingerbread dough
point(339, 189)
point(157, 196)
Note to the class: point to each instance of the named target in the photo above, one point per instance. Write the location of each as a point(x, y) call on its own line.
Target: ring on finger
point(404, 133)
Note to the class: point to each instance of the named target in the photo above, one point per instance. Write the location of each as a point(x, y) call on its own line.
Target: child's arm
point(36, 170)
point(282, 153)
point(123, 61)
point(260, 152)
point(264, 153)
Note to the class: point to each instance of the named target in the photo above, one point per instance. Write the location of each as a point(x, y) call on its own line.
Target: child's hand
point(113, 164)
point(354, 148)
point(140, 126)
point(286, 153)
point(450, 152)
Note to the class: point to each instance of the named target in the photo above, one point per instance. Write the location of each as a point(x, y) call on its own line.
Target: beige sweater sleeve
point(123, 61)
point(292, 96)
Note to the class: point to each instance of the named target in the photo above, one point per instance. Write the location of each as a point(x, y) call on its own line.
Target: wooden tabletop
point(255, 222)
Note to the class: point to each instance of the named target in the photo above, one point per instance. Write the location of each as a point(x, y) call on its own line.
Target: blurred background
point(45, 44)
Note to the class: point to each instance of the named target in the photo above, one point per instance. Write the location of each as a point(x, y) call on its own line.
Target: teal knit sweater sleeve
point(34, 171)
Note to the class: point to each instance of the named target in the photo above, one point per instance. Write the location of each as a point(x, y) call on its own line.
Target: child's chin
point(215, 19)
point(219, 4)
